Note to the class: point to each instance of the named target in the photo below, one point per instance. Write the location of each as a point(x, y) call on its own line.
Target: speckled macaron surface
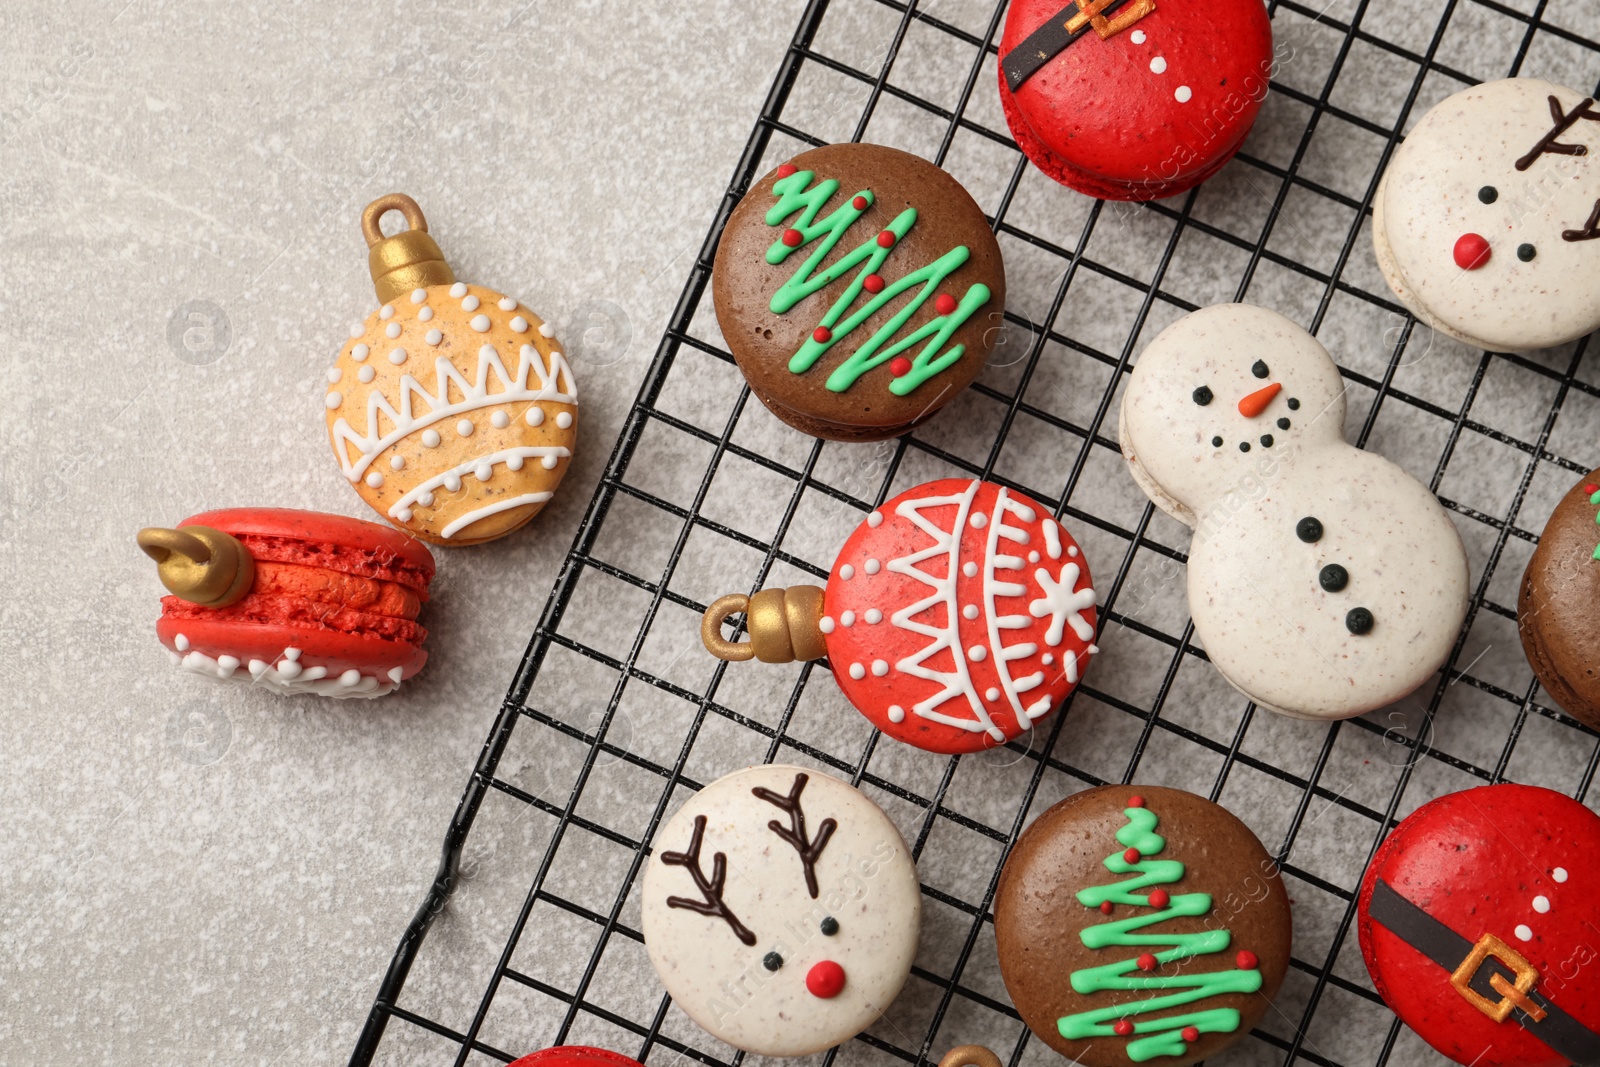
point(1487, 222)
point(1556, 602)
point(781, 910)
point(1324, 581)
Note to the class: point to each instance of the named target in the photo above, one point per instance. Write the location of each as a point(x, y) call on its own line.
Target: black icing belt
point(1564, 1034)
point(1045, 43)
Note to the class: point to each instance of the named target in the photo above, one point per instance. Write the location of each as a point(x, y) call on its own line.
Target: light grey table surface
point(192, 873)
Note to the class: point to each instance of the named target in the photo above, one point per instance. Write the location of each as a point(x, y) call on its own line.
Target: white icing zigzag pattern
point(554, 383)
point(287, 676)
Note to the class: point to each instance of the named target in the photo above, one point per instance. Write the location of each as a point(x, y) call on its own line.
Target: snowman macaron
point(1324, 581)
point(1487, 222)
point(781, 910)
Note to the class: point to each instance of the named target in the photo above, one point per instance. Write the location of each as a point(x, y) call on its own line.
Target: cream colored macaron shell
point(1494, 162)
point(770, 881)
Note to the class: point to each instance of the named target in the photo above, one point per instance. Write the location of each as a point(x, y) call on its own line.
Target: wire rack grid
point(616, 714)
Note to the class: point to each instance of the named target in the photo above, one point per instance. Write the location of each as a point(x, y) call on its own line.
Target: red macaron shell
point(310, 538)
point(1149, 112)
point(894, 627)
point(245, 640)
point(1518, 862)
point(576, 1056)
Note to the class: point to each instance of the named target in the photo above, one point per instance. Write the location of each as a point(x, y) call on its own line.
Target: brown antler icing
point(1564, 122)
point(713, 904)
point(795, 833)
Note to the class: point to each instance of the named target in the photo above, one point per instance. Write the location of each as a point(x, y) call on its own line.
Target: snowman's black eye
point(1488, 194)
point(1294, 405)
point(772, 961)
point(830, 926)
point(1526, 253)
point(1260, 369)
point(1216, 442)
point(1202, 396)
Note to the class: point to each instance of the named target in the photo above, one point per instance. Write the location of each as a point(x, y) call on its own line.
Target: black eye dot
point(1488, 194)
point(1244, 446)
point(772, 961)
point(1294, 405)
point(1526, 253)
point(1216, 442)
point(1333, 578)
point(1259, 369)
point(1358, 621)
point(1309, 529)
point(1266, 440)
point(830, 926)
point(1283, 424)
point(1202, 396)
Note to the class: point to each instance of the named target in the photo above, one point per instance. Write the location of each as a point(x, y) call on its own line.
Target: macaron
point(575, 1056)
point(1137, 100)
point(1486, 223)
point(293, 601)
point(1478, 928)
point(1556, 615)
point(860, 290)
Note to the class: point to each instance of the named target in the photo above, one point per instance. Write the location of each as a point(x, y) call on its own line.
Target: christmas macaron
point(1487, 222)
point(1133, 99)
point(1140, 923)
point(292, 601)
point(860, 289)
point(781, 910)
point(575, 1056)
point(451, 410)
point(957, 616)
point(1477, 923)
point(1556, 614)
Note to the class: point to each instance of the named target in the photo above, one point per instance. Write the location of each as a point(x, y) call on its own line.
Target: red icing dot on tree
point(1131, 856)
point(822, 335)
point(1123, 1027)
point(859, 203)
point(1246, 960)
point(1190, 1034)
point(899, 366)
point(793, 237)
point(886, 239)
point(944, 303)
point(825, 980)
point(1591, 489)
point(1471, 252)
point(786, 169)
point(872, 283)
point(1159, 898)
point(1136, 802)
point(1106, 907)
point(1147, 962)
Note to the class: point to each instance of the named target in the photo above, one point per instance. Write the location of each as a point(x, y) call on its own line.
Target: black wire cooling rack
point(615, 712)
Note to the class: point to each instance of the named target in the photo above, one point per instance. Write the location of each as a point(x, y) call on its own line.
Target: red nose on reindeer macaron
point(1472, 252)
point(1255, 403)
point(825, 980)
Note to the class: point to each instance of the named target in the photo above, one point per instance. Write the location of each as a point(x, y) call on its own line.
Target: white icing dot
point(353, 676)
point(847, 572)
point(519, 324)
point(182, 642)
point(970, 569)
point(483, 471)
point(397, 462)
point(991, 693)
point(874, 616)
point(480, 323)
point(1541, 904)
point(333, 399)
point(334, 374)
point(564, 419)
point(857, 671)
point(426, 500)
point(470, 304)
point(872, 566)
point(419, 296)
point(879, 668)
point(366, 374)
point(875, 520)
point(1523, 933)
point(970, 611)
point(513, 462)
point(825, 624)
point(386, 312)
point(1138, 37)
point(546, 330)
point(500, 420)
point(897, 713)
point(464, 427)
point(1048, 659)
point(425, 315)
point(978, 520)
point(1072, 550)
point(1183, 94)
point(549, 462)
point(289, 668)
point(392, 330)
point(1559, 874)
point(430, 437)
point(458, 290)
point(357, 329)
point(976, 653)
point(397, 356)
point(535, 416)
point(848, 618)
point(1158, 65)
point(1033, 557)
point(433, 337)
point(404, 514)
point(507, 304)
point(359, 353)
point(1092, 649)
point(375, 478)
point(452, 482)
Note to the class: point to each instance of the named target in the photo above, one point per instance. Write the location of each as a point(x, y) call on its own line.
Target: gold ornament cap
point(201, 565)
point(784, 625)
point(410, 259)
point(970, 1056)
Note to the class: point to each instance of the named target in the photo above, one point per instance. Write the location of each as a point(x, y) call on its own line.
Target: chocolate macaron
point(860, 289)
point(1556, 604)
point(1140, 922)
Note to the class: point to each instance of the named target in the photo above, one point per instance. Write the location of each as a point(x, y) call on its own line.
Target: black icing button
point(1334, 577)
point(830, 926)
point(1309, 530)
point(772, 961)
point(1358, 621)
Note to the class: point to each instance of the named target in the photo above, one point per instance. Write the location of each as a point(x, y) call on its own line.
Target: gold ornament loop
point(784, 625)
point(198, 564)
point(970, 1056)
point(711, 629)
point(373, 213)
point(410, 259)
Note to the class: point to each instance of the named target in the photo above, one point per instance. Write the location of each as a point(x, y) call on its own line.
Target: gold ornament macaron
point(451, 410)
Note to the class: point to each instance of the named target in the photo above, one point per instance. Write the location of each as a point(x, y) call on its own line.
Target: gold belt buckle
point(1512, 996)
point(1089, 11)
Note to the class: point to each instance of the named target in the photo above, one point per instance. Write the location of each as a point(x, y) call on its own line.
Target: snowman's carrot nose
point(1255, 403)
point(825, 980)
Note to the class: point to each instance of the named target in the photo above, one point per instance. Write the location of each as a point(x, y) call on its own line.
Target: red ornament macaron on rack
point(1133, 99)
point(958, 615)
point(1478, 926)
point(293, 601)
point(575, 1056)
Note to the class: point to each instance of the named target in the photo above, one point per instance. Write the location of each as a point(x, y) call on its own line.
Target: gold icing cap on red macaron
point(201, 565)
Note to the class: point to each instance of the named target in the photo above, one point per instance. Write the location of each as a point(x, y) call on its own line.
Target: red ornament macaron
point(1133, 99)
point(1478, 928)
point(576, 1056)
point(957, 616)
point(295, 601)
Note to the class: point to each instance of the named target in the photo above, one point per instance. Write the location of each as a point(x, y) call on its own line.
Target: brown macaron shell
point(1557, 605)
point(1039, 919)
point(762, 341)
